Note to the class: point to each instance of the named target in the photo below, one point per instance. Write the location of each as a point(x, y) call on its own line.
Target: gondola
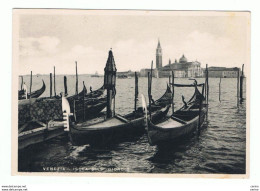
point(97, 93)
point(181, 123)
point(87, 108)
point(41, 119)
point(47, 108)
point(100, 131)
point(34, 94)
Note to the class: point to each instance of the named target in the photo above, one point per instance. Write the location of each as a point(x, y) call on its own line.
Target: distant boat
point(95, 75)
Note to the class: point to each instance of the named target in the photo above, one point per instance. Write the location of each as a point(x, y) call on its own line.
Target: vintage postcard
point(131, 93)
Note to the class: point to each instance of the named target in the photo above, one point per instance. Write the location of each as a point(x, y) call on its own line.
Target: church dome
point(183, 59)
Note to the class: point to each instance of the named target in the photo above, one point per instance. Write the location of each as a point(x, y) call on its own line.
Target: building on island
point(181, 69)
point(144, 72)
point(186, 69)
point(223, 72)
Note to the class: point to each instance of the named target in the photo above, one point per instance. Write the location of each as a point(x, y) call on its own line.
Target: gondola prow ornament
point(66, 112)
point(110, 83)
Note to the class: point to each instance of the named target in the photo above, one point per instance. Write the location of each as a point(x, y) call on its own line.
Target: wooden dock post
point(31, 84)
point(151, 74)
point(207, 85)
point(50, 85)
point(149, 92)
point(54, 83)
point(238, 75)
point(241, 83)
point(219, 89)
point(151, 79)
point(65, 86)
point(136, 90)
point(84, 93)
point(74, 109)
point(22, 83)
point(76, 79)
point(207, 89)
point(172, 100)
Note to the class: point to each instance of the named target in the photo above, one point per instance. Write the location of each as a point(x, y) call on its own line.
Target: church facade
point(181, 69)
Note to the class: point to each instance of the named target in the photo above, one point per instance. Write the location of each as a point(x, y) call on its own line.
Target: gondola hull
point(34, 94)
point(89, 110)
point(111, 130)
point(95, 94)
point(40, 134)
point(171, 130)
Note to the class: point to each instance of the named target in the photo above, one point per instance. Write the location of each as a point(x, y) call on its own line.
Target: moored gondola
point(114, 127)
point(94, 94)
point(181, 123)
point(184, 121)
point(34, 94)
point(100, 131)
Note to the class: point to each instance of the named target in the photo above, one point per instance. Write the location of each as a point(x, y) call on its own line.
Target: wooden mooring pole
point(54, 82)
point(31, 84)
point(219, 89)
point(241, 83)
point(84, 92)
point(207, 89)
point(238, 76)
point(65, 86)
point(149, 93)
point(136, 90)
point(76, 79)
point(172, 100)
point(50, 85)
point(22, 83)
point(151, 72)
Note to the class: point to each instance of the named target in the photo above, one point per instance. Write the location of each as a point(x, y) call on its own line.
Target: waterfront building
point(144, 72)
point(181, 69)
point(223, 72)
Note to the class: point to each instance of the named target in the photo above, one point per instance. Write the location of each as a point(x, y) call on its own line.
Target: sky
point(52, 39)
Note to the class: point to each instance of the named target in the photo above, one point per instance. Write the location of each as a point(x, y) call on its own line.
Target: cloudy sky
point(53, 39)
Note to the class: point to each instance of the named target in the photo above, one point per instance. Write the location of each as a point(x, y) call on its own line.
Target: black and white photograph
point(131, 92)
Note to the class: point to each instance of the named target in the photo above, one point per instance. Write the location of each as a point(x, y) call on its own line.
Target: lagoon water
point(220, 147)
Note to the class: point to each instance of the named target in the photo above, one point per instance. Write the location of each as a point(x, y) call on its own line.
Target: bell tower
point(158, 55)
